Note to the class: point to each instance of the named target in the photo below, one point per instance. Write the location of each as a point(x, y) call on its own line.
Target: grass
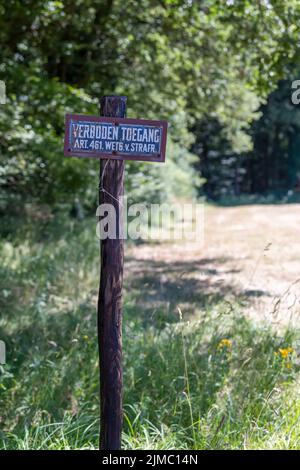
point(214, 380)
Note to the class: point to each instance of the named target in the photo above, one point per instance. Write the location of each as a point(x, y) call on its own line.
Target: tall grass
point(212, 381)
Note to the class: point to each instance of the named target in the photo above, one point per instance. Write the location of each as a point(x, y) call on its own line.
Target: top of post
point(113, 106)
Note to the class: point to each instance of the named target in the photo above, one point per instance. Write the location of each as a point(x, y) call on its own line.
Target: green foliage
point(31, 143)
point(174, 59)
point(276, 156)
point(163, 183)
point(270, 168)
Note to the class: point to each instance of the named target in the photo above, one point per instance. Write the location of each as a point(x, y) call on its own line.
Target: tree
point(175, 59)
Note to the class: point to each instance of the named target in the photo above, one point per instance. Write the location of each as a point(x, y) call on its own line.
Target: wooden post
point(110, 295)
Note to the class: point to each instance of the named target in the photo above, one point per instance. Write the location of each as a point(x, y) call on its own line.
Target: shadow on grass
point(160, 287)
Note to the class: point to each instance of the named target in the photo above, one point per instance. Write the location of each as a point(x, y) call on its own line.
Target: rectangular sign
point(116, 138)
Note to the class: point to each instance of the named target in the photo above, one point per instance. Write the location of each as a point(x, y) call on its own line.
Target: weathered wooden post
point(113, 138)
point(110, 294)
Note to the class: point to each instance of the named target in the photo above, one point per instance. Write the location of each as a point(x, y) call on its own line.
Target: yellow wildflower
point(285, 352)
point(225, 343)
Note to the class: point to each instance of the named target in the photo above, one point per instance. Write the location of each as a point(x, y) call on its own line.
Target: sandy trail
point(250, 253)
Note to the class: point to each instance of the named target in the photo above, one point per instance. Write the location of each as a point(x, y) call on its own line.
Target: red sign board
point(116, 138)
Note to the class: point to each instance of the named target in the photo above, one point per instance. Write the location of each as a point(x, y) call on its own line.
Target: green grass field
point(215, 380)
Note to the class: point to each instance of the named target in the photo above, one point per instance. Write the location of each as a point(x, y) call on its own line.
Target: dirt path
point(250, 253)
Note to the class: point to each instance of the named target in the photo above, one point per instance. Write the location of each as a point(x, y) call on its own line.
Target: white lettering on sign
point(111, 132)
